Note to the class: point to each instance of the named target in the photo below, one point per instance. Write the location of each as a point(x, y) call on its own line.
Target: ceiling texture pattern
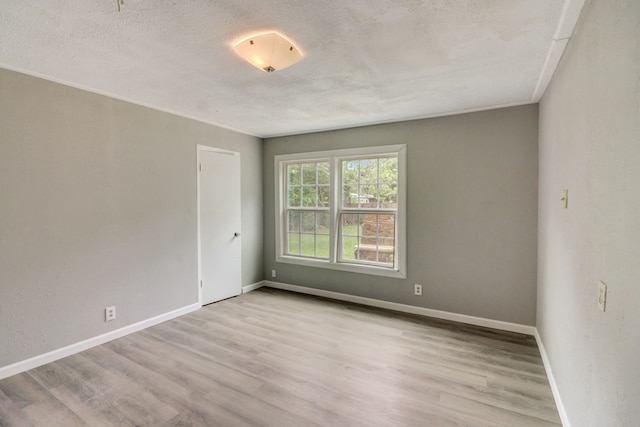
point(365, 61)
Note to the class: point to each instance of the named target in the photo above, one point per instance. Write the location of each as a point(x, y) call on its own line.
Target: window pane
point(293, 172)
point(307, 245)
point(370, 183)
point(350, 172)
point(308, 222)
point(323, 173)
point(294, 198)
point(309, 173)
point(389, 170)
point(350, 231)
point(368, 171)
point(386, 241)
point(308, 234)
point(294, 243)
point(309, 196)
point(322, 246)
point(368, 197)
point(294, 221)
point(322, 223)
point(323, 196)
point(388, 196)
point(349, 196)
point(371, 239)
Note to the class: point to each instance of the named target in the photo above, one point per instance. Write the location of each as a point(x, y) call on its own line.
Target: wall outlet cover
point(110, 313)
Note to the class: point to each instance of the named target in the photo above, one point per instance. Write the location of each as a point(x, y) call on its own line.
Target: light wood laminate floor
point(274, 358)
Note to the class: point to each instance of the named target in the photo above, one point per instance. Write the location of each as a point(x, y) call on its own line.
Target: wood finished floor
point(274, 358)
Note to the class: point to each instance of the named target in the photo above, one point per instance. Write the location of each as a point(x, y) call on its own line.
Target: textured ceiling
point(365, 61)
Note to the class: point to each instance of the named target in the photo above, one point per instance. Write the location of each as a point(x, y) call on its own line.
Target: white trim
point(261, 135)
point(200, 148)
point(549, 68)
point(248, 288)
point(568, 19)
point(401, 245)
point(334, 156)
point(564, 417)
point(401, 119)
point(351, 268)
point(462, 318)
point(52, 356)
point(566, 25)
point(372, 150)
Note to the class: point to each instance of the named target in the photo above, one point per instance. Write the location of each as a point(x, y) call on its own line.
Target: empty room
point(360, 213)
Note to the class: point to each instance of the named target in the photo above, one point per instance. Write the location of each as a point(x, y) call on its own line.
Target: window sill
point(351, 268)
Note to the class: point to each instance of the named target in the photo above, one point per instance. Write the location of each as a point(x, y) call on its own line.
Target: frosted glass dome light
point(268, 52)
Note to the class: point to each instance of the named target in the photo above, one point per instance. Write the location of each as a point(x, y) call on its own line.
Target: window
point(307, 210)
point(343, 209)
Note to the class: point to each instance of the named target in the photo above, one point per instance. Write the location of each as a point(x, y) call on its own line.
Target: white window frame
point(335, 156)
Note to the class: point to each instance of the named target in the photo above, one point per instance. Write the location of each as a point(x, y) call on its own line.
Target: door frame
point(199, 149)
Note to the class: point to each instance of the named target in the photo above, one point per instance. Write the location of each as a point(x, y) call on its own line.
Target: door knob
point(236, 234)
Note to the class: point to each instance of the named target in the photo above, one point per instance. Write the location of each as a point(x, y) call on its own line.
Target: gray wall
point(590, 144)
point(472, 213)
point(98, 208)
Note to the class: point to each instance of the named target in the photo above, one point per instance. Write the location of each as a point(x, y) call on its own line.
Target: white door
point(219, 224)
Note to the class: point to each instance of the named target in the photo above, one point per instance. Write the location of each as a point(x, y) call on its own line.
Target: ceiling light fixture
point(268, 52)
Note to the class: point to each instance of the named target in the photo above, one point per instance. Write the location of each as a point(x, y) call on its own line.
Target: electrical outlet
point(602, 296)
point(110, 313)
point(417, 289)
point(273, 273)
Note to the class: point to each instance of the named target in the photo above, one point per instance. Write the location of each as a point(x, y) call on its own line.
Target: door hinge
point(200, 283)
point(200, 167)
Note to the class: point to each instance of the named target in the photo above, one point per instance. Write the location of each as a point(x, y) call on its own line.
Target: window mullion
point(378, 183)
point(368, 210)
point(285, 230)
point(359, 186)
point(283, 248)
point(334, 200)
point(317, 192)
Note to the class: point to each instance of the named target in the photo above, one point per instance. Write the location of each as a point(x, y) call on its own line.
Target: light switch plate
point(602, 296)
point(565, 199)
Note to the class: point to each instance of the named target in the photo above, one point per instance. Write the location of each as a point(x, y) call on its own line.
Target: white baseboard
point(472, 320)
point(252, 287)
point(43, 359)
point(552, 381)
